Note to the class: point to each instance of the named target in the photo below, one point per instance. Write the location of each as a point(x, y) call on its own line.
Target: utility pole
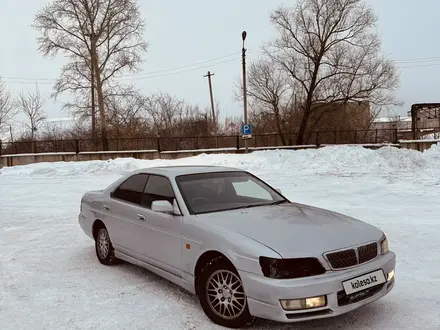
point(209, 75)
point(243, 52)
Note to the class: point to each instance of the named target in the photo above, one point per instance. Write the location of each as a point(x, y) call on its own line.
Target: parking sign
point(246, 131)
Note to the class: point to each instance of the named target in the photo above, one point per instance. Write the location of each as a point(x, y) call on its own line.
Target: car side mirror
point(278, 191)
point(162, 207)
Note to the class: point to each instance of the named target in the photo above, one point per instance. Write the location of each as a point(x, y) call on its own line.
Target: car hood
point(295, 230)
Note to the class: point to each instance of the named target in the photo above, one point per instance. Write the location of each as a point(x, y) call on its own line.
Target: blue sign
point(246, 129)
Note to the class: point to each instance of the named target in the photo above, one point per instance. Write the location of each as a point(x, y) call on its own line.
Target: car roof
point(173, 171)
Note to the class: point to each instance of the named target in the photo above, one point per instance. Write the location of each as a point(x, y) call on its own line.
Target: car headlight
point(384, 246)
point(290, 268)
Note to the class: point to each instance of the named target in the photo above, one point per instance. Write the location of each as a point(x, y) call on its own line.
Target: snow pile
point(333, 160)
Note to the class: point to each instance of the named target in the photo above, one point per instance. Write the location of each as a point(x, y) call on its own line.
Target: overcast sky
point(183, 33)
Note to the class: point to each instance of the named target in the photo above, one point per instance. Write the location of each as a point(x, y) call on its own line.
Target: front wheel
point(104, 248)
point(222, 295)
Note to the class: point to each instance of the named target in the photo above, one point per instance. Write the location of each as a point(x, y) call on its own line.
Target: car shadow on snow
point(367, 316)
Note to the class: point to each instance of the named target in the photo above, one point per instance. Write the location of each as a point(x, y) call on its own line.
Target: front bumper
point(264, 294)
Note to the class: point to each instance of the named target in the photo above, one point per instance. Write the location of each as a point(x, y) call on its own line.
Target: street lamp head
point(243, 35)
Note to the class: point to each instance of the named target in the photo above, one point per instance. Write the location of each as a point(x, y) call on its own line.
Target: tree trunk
point(308, 105)
point(105, 146)
point(278, 124)
point(305, 119)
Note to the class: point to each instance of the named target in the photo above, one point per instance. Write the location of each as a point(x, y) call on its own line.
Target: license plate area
point(363, 282)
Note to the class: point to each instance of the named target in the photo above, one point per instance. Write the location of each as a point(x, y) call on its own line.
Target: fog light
point(390, 275)
point(306, 303)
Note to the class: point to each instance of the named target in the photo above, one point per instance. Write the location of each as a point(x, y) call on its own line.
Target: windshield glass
point(222, 191)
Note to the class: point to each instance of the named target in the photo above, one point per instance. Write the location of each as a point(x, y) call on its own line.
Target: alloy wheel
point(225, 294)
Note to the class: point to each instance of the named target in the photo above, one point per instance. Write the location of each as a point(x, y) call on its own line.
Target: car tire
point(219, 299)
point(104, 248)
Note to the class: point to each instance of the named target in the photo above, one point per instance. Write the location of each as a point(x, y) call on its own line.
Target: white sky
point(183, 33)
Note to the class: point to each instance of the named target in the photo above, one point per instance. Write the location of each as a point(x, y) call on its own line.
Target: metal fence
point(205, 142)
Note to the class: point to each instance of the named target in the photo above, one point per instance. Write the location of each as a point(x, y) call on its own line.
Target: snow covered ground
point(51, 279)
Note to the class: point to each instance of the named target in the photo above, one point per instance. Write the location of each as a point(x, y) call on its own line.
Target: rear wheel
point(104, 248)
point(222, 295)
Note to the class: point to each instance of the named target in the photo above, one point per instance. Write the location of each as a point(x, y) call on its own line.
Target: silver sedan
point(237, 243)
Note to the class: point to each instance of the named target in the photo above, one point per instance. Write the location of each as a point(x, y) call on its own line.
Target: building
point(425, 120)
point(397, 122)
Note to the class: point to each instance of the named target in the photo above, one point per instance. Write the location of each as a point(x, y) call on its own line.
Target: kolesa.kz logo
point(359, 284)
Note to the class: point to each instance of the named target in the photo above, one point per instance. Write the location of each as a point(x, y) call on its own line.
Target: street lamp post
point(243, 52)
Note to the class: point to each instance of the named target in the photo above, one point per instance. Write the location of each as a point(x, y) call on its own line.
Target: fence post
point(1, 147)
point(158, 144)
point(376, 137)
point(77, 146)
point(396, 140)
point(238, 143)
point(256, 140)
point(317, 138)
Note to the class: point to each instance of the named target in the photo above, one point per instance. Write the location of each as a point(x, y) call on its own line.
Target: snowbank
point(329, 160)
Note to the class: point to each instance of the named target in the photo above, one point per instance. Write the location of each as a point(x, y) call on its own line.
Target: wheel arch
point(97, 224)
point(205, 259)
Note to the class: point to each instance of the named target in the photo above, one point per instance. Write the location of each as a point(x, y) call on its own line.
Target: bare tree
point(269, 93)
point(331, 50)
point(31, 105)
point(7, 111)
point(127, 115)
point(102, 38)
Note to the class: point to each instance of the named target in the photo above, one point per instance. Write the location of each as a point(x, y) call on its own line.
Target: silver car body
point(171, 246)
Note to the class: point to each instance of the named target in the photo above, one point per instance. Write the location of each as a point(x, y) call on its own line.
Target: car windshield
point(223, 191)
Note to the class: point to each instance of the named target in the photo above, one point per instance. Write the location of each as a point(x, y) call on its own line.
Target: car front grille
point(352, 257)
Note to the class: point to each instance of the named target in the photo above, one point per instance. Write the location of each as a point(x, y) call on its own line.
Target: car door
point(162, 246)
point(121, 213)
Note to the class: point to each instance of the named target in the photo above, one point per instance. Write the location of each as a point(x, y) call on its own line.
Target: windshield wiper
point(256, 205)
point(279, 202)
point(265, 204)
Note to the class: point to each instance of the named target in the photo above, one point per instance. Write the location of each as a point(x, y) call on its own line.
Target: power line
point(183, 67)
point(419, 66)
point(422, 59)
point(407, 61)
point(127, 76)
point(136, 78)
point(168, 72)
point(174, 73)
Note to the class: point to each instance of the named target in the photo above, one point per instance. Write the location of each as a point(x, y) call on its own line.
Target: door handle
point(140, 216)
point(106, 207)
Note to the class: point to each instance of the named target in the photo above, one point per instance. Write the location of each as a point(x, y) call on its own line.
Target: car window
point(131, 189)
point(158, 188)
point(250, 189)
